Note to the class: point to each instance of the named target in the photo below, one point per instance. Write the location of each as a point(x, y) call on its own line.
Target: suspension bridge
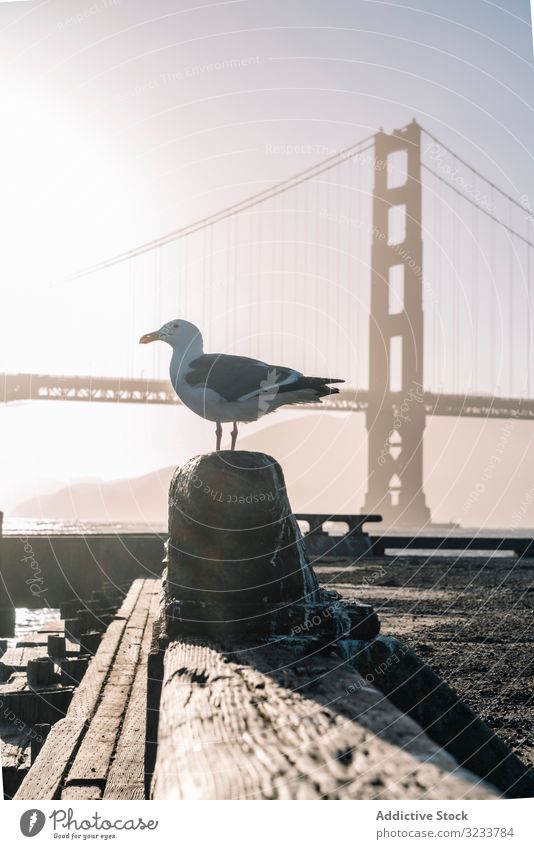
point(393, 262)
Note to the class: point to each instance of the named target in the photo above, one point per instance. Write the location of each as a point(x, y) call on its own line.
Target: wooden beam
point(265, 724)
point(126, 776)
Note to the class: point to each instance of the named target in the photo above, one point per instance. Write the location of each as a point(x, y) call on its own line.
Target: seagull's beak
point(150, 337)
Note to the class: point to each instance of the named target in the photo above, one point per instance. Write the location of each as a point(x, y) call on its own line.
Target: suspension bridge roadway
point(44, 387)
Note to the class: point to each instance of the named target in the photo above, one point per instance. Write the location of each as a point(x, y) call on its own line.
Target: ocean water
point(45, 527)
point(22, 526)
point(28, 620)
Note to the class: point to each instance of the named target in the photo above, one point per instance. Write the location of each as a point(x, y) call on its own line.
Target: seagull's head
point(178, 334)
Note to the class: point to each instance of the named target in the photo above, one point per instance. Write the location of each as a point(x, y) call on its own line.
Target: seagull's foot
point(234, 436)
point(218, 434)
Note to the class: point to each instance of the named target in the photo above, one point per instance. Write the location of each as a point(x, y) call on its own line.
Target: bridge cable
point(477, 206)
point(511, 302)
point(349, 282)
point(436, 275)
point(239, 206)
point(474, 289)
point(339, 260)
point(479, 174)
point(529, 319)
point(494, 299)
point(457, 276)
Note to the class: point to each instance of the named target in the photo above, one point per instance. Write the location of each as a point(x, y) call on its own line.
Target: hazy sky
point(124, 119)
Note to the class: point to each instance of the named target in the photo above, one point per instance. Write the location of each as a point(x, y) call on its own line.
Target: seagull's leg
point(234, 436)
point(218, 434)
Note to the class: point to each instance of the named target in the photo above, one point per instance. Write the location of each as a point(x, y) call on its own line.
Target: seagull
point(228, 388)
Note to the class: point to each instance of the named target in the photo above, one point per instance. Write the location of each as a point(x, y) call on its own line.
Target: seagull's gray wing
point(235, 378)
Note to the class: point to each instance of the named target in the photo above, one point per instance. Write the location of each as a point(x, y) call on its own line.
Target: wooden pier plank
point(33, 640)
point(45, 779)
point(17, 658)
point(259, 725)
point(103, 731)
point(94, 756)
point(131, 598)
point(127, 772)
point(53, 626)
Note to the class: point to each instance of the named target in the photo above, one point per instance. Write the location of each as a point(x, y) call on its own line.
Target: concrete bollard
point(232, 533)
point(40, 672)
point(73, 628)
point(236, 563)
point(56, 646)
point(85, 618)
point(90, 641)
point(73, 669)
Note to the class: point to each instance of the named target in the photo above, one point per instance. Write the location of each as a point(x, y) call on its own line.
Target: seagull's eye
point(175, 326)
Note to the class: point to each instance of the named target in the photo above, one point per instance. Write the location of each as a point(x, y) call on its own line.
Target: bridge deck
point(129, 390)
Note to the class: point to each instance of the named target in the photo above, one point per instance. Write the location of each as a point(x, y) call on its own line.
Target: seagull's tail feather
point(326, 390)
point(316, 380)
point(317, 385)
point(306, 390)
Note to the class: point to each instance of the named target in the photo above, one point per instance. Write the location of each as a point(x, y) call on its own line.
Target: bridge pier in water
point(395, 415)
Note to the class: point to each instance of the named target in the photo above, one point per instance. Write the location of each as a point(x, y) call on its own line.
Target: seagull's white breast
point(204, 402)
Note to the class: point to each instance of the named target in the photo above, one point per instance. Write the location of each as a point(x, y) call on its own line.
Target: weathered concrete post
point(236, 562)
point(234, 544)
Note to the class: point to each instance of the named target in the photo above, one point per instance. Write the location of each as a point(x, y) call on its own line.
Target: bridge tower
point(396, 413)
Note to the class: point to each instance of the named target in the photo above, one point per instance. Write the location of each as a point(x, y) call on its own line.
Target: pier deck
point(97, 750)
point(27, 711)
point(469, 618)
point(269, 722)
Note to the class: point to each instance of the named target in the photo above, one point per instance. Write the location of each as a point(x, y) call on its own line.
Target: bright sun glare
point(65, 203)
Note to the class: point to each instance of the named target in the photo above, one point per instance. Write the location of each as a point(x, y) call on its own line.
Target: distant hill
point(476, 473)
point(138, 500)
point(314, 484)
